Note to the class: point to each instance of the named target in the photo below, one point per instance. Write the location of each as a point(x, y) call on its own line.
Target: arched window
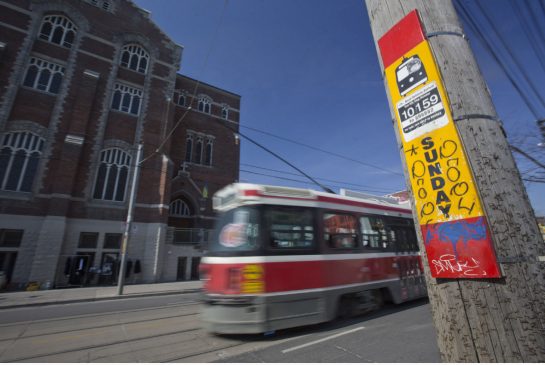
point(58, 29)
point(198, 151)
point(182, 98)
point(180, 208)
point(225, 111)
point(208, 152)
point(19, 157)
point(111, 181)
point(43, 75)
point(126, 99)
point(205, 104)
point(135, 57)
point(188, 147)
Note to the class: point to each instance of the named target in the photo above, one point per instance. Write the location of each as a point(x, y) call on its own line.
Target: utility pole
point(492, 319)
point(128, 223)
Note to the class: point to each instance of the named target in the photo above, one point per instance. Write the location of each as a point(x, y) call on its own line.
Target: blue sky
point(307, 70)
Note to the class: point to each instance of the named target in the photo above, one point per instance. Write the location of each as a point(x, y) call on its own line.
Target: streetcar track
point(79, 316)
point(93, 347)
point(22, 336)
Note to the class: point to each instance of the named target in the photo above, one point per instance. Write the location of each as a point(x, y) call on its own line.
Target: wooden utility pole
point(479, 320)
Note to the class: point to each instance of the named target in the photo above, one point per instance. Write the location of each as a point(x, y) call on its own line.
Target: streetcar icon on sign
point(410, 74)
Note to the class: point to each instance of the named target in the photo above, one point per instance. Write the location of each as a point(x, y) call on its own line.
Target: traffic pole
point(128, 223)
point(500, 316)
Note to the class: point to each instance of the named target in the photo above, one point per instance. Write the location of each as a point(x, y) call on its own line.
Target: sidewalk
point(73, 295)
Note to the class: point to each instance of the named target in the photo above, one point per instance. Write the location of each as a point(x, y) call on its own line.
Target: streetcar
point(286, 257)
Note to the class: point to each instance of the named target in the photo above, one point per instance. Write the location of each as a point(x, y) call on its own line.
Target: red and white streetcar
point(285, 257)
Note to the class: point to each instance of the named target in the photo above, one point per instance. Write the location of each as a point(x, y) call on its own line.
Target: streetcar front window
point(237, 231)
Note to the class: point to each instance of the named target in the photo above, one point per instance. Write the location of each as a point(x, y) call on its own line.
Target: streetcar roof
point(239, 194)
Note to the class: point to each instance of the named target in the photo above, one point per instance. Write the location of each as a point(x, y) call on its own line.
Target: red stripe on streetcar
point(401, 38)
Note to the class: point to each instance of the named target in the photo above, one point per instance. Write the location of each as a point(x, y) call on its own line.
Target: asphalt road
point(34, 313)
point(168, 329)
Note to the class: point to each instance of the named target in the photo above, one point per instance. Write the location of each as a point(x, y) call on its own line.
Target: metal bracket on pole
point(435, 34)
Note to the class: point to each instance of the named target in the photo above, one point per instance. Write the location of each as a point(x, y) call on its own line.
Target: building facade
point(82, 84)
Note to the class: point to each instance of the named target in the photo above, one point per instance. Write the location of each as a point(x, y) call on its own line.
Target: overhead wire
point(511, 54)
point(534, 44)
point(322, 150)
point(197, 84)
point(473, 25)
point(345, 184)
point(301, 181)
point(465, 14)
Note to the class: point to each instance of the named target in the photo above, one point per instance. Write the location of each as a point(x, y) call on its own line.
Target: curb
point(114, 297)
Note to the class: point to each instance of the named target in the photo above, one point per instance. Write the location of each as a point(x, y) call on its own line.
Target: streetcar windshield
point(237, 231)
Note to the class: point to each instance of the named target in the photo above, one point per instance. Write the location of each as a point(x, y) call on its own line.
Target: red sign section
point(460, 249)
point(401, 38)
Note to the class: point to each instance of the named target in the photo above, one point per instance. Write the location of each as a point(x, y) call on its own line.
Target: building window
point(88, 240)
point(198, 151)
point(188, 148)
point(19, 158)
point(59, 30)
point(11, 238)
point(135, 58)
point(182, 98)
point(208, 153)
point(104, 5)
point(111, 181)
point(126, 99)
point(112, 240)
point(225, 112)
point(43, 75)
point(205, 104)
point(179, 208)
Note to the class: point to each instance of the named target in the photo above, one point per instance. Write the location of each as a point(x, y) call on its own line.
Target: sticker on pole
point(421, 112)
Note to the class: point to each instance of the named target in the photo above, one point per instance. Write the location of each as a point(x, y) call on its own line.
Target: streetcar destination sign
point(447, 204)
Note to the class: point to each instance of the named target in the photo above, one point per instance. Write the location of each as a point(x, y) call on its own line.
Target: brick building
point(82, 83)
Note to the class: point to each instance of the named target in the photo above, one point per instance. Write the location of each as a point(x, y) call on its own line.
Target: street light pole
point(121, 277)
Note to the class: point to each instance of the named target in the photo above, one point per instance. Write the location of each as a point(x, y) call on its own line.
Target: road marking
point(322, 340)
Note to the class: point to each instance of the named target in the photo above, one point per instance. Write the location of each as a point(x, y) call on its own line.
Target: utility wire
point(203, 67)
point(471, 22)
point(529, 34)
point(510, 52)
point(301, 181)
point(322, 150)
point(234, 130)
point(317, 178)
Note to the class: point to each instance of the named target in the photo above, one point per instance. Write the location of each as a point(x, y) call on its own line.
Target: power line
point(317, 178)
point(322, 150)
point(205, 62)
point(325, 188)
point(529, 34)
point(510, 52)
point(301, 181)
point(471, 22)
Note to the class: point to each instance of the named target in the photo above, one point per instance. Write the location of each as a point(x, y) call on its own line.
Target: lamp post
point(128, 223)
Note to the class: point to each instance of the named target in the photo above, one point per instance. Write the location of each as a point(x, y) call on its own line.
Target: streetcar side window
point(290, 228)
point(375, 233)
point(405, 236)
point(340, 231)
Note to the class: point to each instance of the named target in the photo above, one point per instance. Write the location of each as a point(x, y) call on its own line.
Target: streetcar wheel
point(346, 307)
point(379, 299)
